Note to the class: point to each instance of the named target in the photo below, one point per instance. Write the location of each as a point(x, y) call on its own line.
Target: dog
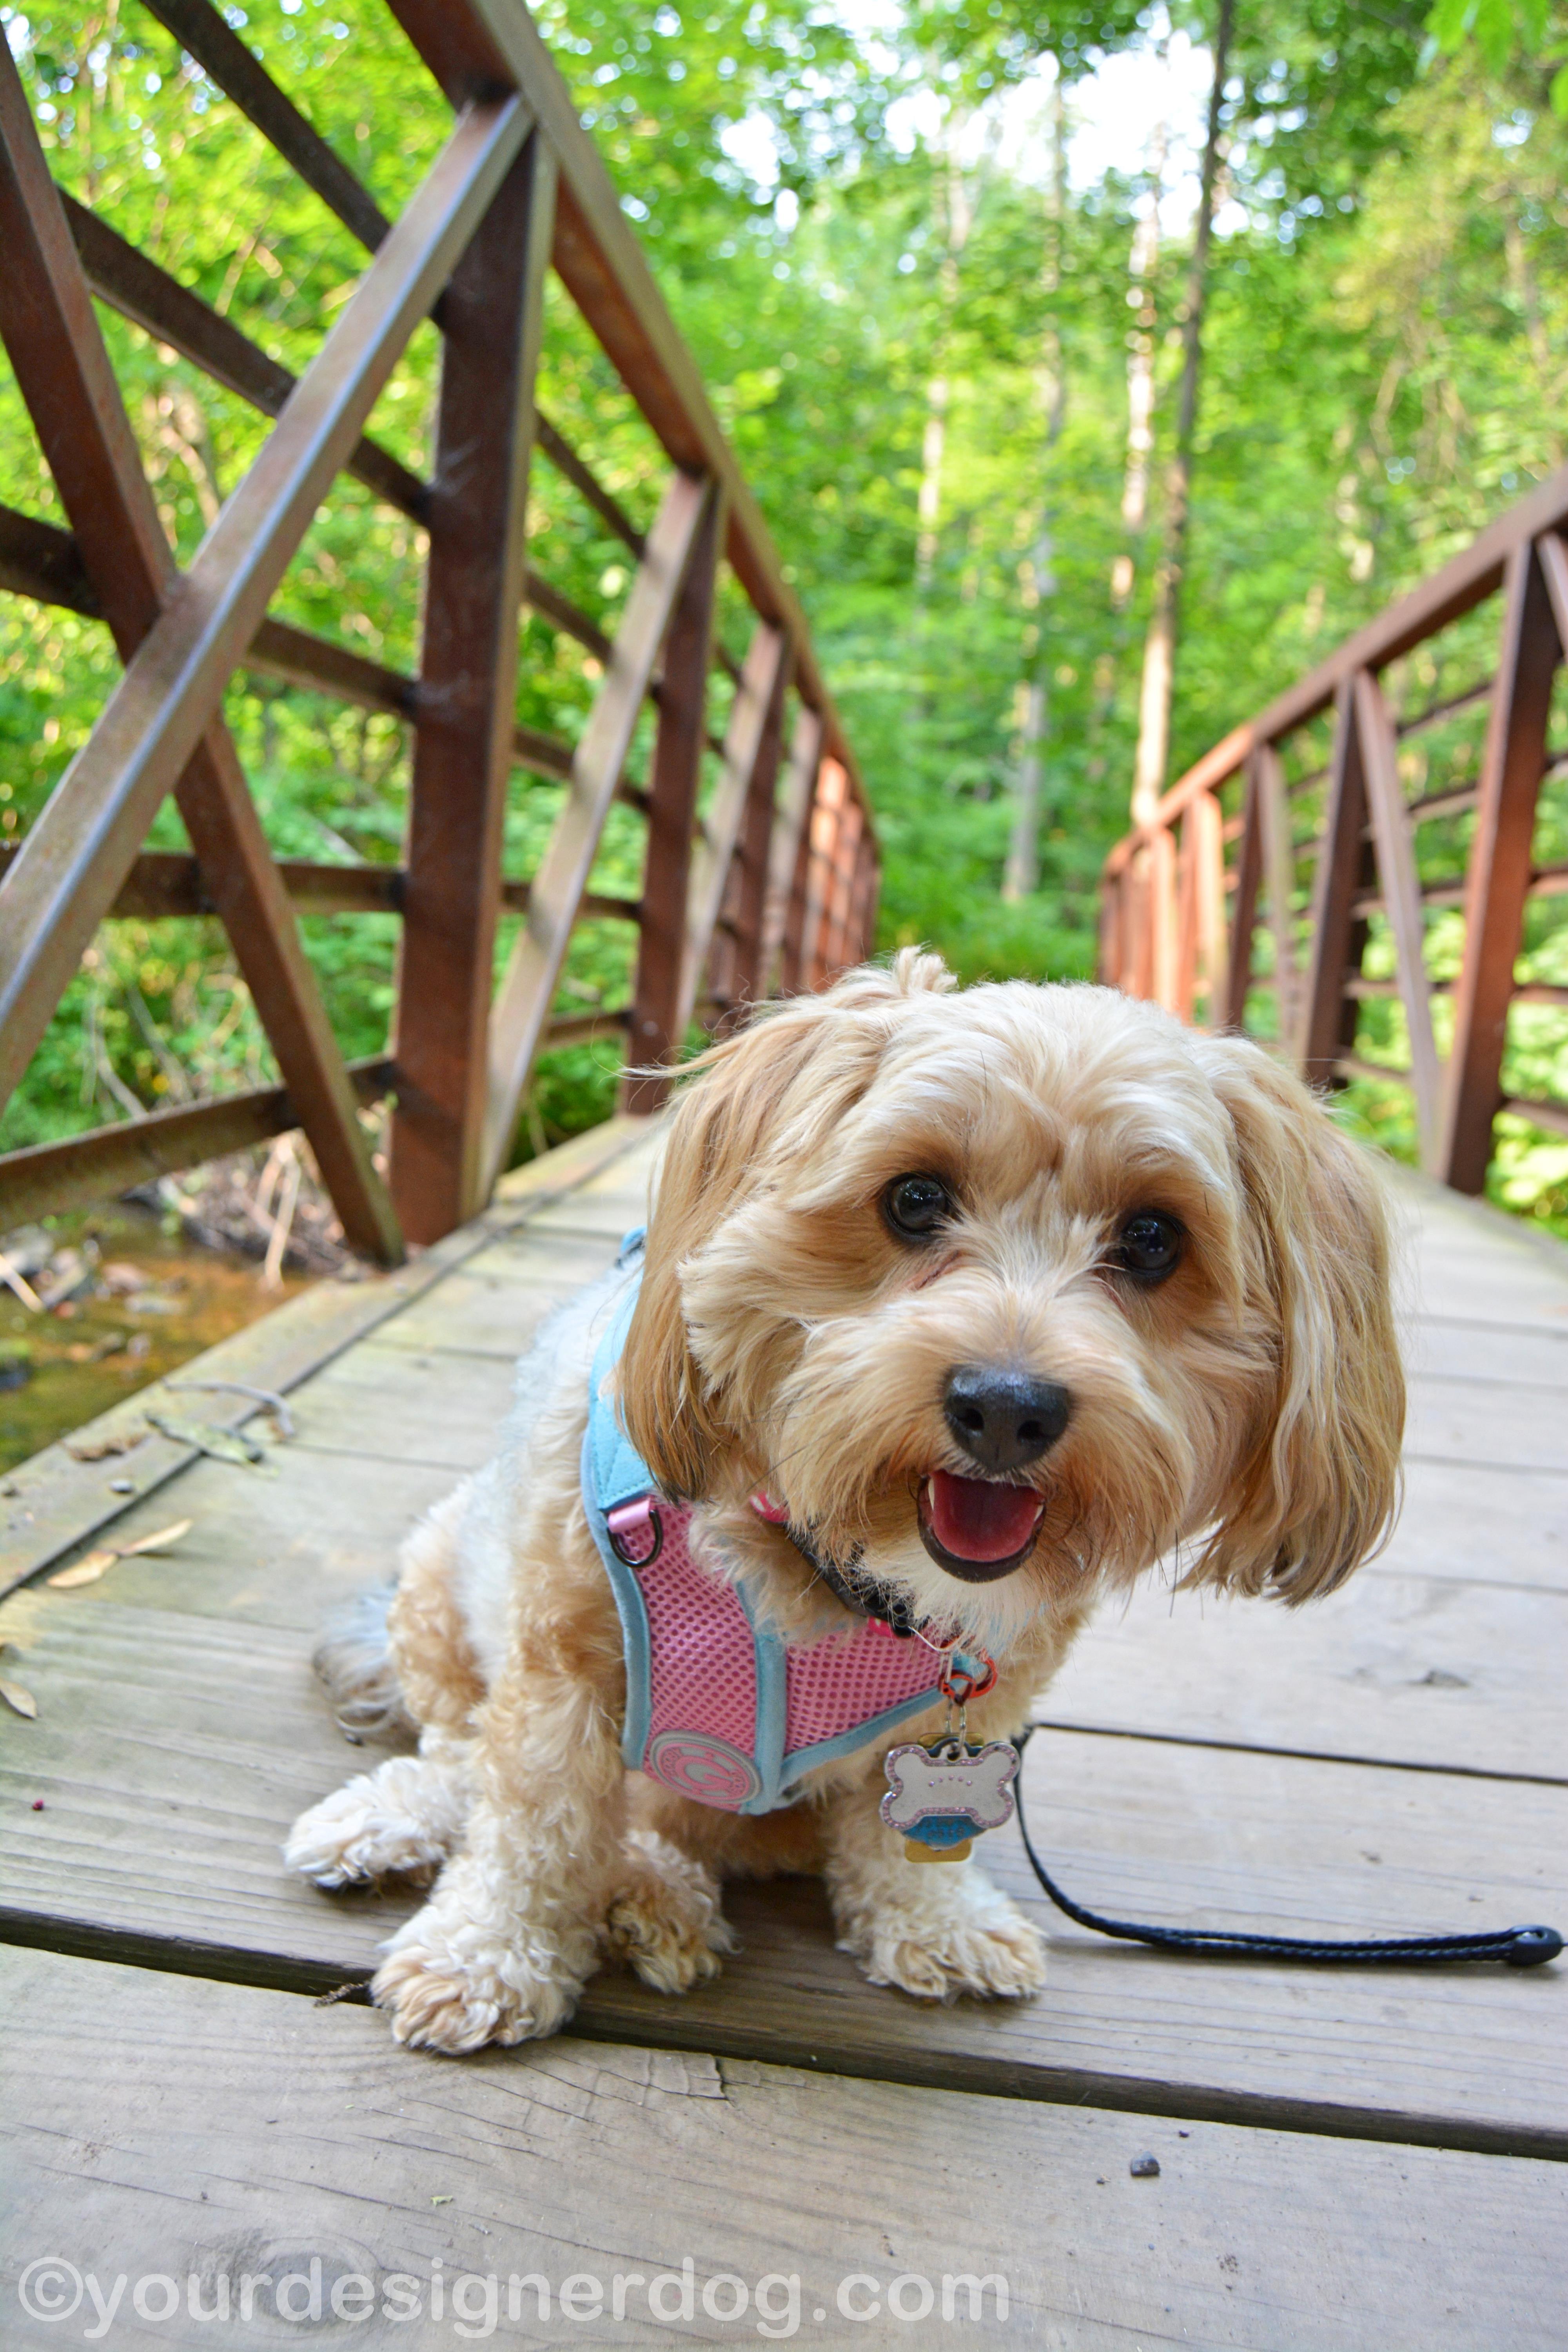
point(958, 1311)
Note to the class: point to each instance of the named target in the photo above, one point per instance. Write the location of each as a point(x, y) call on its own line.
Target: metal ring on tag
point(958, 1685)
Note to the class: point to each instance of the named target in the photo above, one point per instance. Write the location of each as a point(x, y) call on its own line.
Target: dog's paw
point(982, 1945)
point(454, 1992)
point(665, 1920)
point(383, 1824)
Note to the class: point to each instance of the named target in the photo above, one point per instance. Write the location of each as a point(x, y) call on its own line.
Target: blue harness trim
point(614, 1473)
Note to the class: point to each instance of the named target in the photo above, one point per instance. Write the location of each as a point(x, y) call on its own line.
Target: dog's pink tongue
point(973, 1518)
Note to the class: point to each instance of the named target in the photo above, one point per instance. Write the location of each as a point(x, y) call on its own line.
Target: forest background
point(934, 259)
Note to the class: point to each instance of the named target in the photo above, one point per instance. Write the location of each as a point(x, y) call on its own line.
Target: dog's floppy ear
point(723, 1131)
point(1319, 1488)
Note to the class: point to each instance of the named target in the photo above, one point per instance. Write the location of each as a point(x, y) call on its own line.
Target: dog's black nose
point(1004, 1419)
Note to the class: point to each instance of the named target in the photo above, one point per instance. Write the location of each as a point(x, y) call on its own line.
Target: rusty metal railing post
point(465, 709)
point(781, 881)
point(655, 1035)
point(1499, 878)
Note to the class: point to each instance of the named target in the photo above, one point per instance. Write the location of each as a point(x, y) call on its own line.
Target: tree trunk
point(1142, 270)
point(1022, 873)
point(1160, 645)
point(956, 218)
point(933, 450)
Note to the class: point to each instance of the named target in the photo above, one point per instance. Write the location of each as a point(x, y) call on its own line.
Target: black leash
point(1520, 1948)
point(1517, 1948)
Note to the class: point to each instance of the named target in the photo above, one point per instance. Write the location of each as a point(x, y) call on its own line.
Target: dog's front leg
point(932, 1928)
point(502, 1950)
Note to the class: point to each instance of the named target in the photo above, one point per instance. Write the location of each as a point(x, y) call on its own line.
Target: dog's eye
point(1149, 1246)
point(917, 1205)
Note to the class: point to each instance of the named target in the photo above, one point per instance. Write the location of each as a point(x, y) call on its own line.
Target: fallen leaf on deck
point(98, 1449)
point(21, 1701)
point(156, 1542)
point(86, 1571)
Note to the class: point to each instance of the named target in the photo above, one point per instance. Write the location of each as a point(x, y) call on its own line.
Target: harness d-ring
point(625, 1520)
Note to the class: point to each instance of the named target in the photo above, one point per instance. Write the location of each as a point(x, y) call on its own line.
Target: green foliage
point(1520, 34)
point(984, 47)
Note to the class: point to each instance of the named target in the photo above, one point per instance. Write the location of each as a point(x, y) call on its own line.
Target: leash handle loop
point(1517, 1948)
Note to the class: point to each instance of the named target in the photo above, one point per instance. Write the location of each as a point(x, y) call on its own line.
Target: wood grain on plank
point(494, 1304)
point(400, 1405)
point(1507, 1426)
point(285, 1550)
point(604, 1216)
point(1399, 1669)
point(496, 1307)
point(221, 2129)
point(173, 1754)
point(1477, 1290)
point(1462, 1268)
point(435, 1386)
point(1441, 1348)
point(1485, 1526)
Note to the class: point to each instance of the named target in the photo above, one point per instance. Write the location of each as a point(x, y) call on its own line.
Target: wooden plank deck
point(1347, 2158)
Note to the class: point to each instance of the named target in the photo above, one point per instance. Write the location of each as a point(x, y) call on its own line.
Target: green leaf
point(1450, 22)
point(1494, 28)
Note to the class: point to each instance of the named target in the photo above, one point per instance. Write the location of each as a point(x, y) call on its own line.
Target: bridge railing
point(1358, 873)
point(769, 884)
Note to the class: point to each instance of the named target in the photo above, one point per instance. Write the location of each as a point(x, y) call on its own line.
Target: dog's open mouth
point(976, 1528)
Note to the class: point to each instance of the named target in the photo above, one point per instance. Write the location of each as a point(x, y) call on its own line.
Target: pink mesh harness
point(718, 1706)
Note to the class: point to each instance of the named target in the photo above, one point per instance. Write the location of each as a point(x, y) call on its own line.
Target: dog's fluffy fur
point(1242, 1419)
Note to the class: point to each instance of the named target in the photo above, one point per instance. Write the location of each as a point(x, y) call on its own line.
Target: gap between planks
point(663, 2026)
point(1260, 1842)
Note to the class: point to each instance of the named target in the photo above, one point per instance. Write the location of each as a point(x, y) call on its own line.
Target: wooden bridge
point(1347, 2158)
point(191, 2088)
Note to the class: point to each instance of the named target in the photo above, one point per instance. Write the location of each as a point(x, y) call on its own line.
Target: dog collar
point(849, 1583)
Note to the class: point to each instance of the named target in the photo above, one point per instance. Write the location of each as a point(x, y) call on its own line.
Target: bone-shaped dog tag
point(942, 1795)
